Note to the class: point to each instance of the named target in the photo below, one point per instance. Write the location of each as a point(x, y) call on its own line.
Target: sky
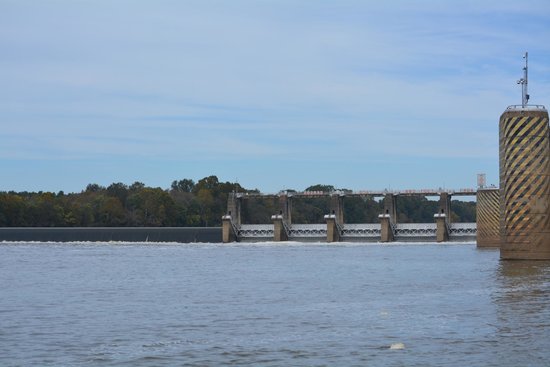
point(285, 94)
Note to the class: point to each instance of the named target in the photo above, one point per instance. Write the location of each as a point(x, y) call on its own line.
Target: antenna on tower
point(523, 81)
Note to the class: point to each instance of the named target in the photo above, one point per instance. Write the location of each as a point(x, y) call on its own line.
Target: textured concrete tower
point(524, 180)
point(524, 139)
point(488, 218)
point(524, 183)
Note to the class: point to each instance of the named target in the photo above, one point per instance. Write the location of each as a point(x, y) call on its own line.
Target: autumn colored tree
point(187, 203)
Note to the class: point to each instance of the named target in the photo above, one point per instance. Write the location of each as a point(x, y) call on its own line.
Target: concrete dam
point(333, 227)
point(514, 217)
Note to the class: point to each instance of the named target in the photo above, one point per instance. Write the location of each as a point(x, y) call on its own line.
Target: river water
point(100, 304)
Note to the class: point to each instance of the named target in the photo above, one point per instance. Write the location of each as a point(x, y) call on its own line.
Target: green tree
point(111, 213)
point(209, 183)
point(152, 207)
point(185, 185)
point(206, 203)
point(119, 191)
point(45, 210)
point(12, 210)
point(94, 188)
point(323, 188)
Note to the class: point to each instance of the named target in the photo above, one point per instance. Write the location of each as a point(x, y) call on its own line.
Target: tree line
point(192, 204)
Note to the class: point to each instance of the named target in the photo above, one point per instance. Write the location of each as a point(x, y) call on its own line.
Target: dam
point(514, 217)
point(332, 227)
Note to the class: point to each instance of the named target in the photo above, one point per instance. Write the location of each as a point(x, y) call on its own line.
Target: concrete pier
point(333, 229)
point(488, 217)
point(388, 219)
point(335, 220)
point(443, 217)
point(337, 207)
point(442, 231)
point(283, 220)
point(524, 157)
point(228, 230)
point(386, 228)
point(285, 206)
point(279, 230)
point(445, 205)
point(234, 208)
point(232, 220)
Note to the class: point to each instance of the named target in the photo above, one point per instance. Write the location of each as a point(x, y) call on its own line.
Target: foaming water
point(270, 304)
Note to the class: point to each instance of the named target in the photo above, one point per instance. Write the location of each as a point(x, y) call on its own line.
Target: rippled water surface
point(270, 305)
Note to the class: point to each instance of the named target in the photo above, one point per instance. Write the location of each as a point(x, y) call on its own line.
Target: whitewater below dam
point(270, 304)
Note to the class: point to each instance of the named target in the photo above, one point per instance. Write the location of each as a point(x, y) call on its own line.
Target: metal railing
point(308, 230)
point(362, 230)
point(462, 229)
point(526, 107)
point(416, 230)
point(256, 230)
point(312, 194)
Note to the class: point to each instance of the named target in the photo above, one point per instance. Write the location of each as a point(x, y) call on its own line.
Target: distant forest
point(193, 204)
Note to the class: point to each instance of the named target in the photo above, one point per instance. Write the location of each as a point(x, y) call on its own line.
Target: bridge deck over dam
point(360, 193)
point(334, 228)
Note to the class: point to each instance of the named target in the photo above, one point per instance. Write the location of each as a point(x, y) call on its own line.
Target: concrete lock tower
point(487, 213)
point(524, 158)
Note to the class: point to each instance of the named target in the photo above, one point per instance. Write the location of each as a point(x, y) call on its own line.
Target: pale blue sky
point(274, 94)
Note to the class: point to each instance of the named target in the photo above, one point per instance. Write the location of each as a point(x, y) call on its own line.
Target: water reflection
point(523, 289)
point(524, 268)
point(520, 281)
point(522, 300)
